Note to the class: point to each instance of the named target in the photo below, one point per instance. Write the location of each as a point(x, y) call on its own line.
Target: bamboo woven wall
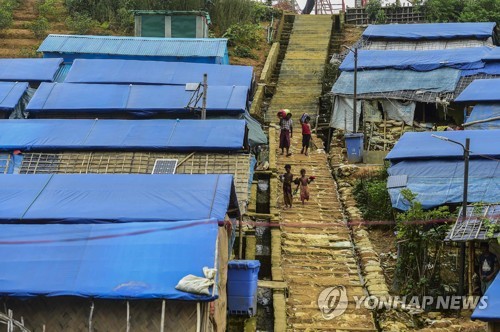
point(142, 163)
point(72, 314)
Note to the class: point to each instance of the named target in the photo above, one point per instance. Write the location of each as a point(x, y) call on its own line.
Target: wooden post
point(204, 99)
point(240, 237)
point(471, 266)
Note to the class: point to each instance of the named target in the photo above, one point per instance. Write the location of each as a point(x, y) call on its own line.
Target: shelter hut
point(482, 104)
point(128, 146)
point(428, 36)
point(171, 24)
point(85, 254)
point(197, 50)
point(403, 91)
point(433, 169)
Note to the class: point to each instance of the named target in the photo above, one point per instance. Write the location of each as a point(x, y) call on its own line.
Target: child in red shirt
point(306, 135)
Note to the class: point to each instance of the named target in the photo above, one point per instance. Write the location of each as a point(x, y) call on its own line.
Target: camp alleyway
point(313, 257)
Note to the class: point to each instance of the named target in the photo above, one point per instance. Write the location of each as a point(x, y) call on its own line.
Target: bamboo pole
point(162, 326)
point(128, 316)
point(90, 316)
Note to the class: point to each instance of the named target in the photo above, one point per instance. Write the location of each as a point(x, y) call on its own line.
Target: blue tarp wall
point(487, 90)
point(484, 112)
point(387, 80)
point(460, 58)
point(112, 261)
point(439, 182)
point(138, 100)
point(430, 31)
point(130, 135)
point(197, 50)
point(154, 72)
point(29, 70)
point(114, 198)
point(11, 94)
point(433, 169)
point(492, 298)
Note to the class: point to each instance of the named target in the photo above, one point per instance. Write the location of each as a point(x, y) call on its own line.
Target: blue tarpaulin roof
point(490, 68)
point(487, 90)
point(139, 100)
point(112, 261)
point(439, 182)
point(423, 146)
point(492, 299)
point(156, 72)
point(10, 94)
point(484, 112)
point(388, 80)
point(151, 135)
point(29, 70)
point(115, 198)
point(493, 55)
point(138, 47)
point(430, 31)
point(460, 58)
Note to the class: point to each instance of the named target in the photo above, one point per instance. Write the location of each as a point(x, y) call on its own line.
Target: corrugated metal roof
point(135, 46)
point(62, 73)
point(475, 226)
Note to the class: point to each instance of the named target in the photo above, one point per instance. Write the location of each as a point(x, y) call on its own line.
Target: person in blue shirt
point(488, 267)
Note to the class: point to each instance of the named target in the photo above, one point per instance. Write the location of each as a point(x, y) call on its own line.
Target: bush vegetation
point(6, 9)
point(372, 197)
point(236, 19)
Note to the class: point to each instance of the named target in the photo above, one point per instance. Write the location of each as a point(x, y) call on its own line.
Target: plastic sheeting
point(401, 111)
point(430, 31)
point(139, 100)
point(157, 72)
point(10, 94)
point(460, 58)
point(422, 145)
point(29, 70)
point(151, 135)
point(484, 112)
point(101, 198)
point(439, 182)
point(388, 80)
point(481, 91)
point(113, 261)
point(343, 112)
point(492, 298)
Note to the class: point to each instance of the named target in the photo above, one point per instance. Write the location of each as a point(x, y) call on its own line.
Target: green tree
point(420, 247)
point(372, 9)
point(481, 11)
point(443, 10)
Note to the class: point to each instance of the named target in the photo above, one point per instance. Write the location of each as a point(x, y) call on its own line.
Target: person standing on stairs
point(303, 183)
point(306, 135)
point(286, 133)
point(287, 180)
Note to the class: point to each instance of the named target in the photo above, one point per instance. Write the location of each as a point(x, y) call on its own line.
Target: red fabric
point(306, 129)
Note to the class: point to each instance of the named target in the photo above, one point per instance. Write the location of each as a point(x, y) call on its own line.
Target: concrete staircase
point(299, 85)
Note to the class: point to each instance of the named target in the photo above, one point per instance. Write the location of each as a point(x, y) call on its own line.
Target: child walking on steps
point(303, 183)
point(287, 180)
point(306, 135)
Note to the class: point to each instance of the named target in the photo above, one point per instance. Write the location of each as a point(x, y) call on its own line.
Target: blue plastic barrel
point(242, 278)
point(354, 146)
